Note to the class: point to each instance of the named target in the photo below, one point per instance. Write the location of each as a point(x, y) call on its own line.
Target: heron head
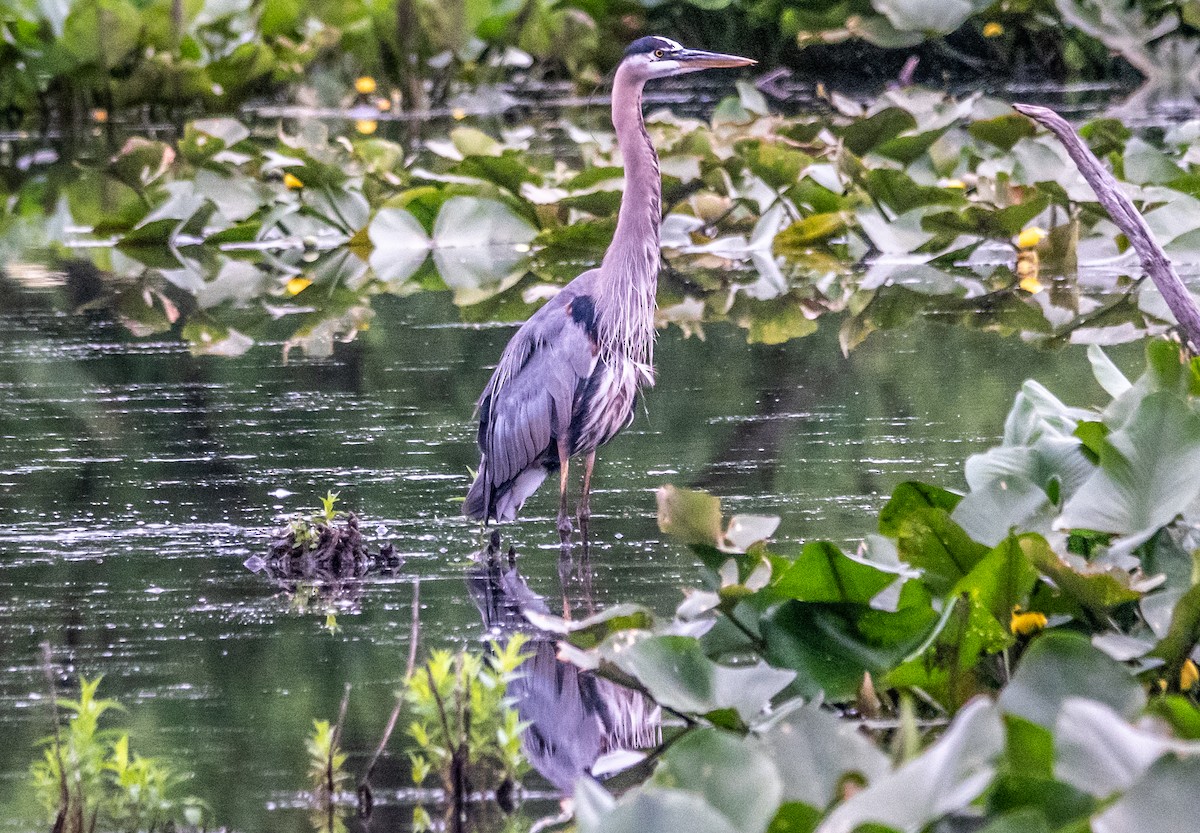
point(658, 57)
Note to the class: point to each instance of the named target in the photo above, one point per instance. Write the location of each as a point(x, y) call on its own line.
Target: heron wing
point(530, 397)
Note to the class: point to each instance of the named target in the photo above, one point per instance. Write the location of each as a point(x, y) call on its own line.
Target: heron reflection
point(575, 719)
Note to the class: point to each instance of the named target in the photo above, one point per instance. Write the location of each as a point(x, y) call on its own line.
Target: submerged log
point(1122, 211)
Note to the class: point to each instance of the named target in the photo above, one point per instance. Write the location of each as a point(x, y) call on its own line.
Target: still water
point(136, 479)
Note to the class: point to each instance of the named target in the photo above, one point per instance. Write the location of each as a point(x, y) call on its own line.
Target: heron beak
point(690, 59)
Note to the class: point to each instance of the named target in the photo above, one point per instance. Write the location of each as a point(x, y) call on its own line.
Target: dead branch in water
point(1122, 211)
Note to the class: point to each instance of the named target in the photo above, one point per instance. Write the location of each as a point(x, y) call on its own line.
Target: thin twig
point(415, 636)
point(1122, 211)
point(364, 784)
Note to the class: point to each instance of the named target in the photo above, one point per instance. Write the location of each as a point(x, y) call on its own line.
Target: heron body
point(568, 380)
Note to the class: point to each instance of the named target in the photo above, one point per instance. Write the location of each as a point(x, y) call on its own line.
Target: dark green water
point(137, 478)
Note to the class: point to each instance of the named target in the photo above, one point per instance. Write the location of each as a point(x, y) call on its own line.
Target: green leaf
point(677, 674)
point(400, 244)
point(823, 573)
point(590, 632)
point(1182, 635)
point(1097, 588)
point(141, 162)
point(918, 517)
point(815, 751)
point(831, 646)
point(794, 817)
point(944, 778)
point(1059, 665)
point(802, 234)
point(1001, 580)
point(862, 135)
point(1002, 131)
point(1147, 472)
point(692, 517)
point(1179, 712)
point(661, 810)
point(731, 773)
point(1098, 752)
point(101, 32)
point(1164, 800)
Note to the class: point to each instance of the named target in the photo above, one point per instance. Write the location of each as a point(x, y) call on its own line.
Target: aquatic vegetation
point(465, 732)
point(1053, 607)
point(917, 204)
point(327, 776)
point(318, 561)
point(89, 780)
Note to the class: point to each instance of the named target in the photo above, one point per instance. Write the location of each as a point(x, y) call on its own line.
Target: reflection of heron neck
point(629, 272)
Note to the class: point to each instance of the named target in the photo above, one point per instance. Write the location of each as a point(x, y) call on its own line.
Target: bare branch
point(1122, 211)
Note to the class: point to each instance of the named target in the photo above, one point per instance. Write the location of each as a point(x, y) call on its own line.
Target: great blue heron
point(568, 380)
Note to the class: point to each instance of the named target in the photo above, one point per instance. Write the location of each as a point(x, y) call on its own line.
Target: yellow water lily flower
point(364, 85)
point(458, 113)
point(292, 181)
point(366, 126)
point(1189, 676)
point(992, 29)
point(297, 285)
point(1030, 237)
point(1026, 624)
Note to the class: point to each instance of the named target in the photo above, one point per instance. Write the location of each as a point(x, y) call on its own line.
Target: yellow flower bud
point(1030, 237)
point(992, 30)
point(1026, 624)
point(292, 181)
point(364, 85)
point(1189, 675)
point(297, 285)
point(366, 126)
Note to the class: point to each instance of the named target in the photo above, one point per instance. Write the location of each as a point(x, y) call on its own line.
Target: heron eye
point(658, 53)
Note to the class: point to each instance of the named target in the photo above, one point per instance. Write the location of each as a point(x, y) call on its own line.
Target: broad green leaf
point(1107, 374)
point(823, 573)
point(918, 517)
point(802, 234)
point(1182, 635)
point(1060, 665)
point(141, 162)
point(814, 751)
point(940, 18)
point(400, 244)
point(1002, 131)
point(677, 674)
point(1146, 475)
point(471, 141)
point(660, 810)
point(590, 632)
point(731, 773)
point(1097, 751)
point(1001, 580)
point(831, 646)
point(692, 517)
point(944, 778)
point(862, 135)
point(1165, 800)
point(101, 32)
point(1098, 588)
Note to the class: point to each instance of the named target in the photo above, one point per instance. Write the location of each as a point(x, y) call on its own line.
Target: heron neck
point(629, 271)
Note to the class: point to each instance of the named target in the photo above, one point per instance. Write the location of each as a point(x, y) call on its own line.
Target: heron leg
point(585, 508)
point(564, 519)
